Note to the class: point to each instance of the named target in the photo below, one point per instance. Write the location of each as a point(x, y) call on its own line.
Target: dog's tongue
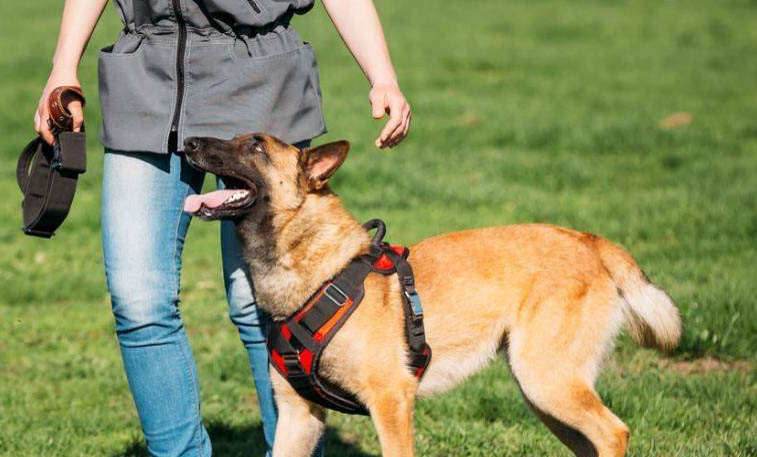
point(211, 199)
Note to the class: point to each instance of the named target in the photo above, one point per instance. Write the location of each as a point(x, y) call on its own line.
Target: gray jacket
point(184, 68)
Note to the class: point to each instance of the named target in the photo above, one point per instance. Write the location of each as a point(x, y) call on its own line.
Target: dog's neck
point(292, 253)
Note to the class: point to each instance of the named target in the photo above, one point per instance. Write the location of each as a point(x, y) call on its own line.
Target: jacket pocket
point(275, 94)
point(136, 95)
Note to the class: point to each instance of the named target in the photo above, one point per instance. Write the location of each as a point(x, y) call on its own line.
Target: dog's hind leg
point(391, 407)
point(578, 418)
point(300, 424)
point(555, 362)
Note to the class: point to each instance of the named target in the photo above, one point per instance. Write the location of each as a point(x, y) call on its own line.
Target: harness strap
point(346, 286)
point(420, 351)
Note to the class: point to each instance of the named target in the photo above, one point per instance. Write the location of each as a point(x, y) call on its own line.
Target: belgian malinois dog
point(552, 298)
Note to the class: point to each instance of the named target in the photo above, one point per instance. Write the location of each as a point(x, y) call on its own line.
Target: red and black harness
point(297, 343)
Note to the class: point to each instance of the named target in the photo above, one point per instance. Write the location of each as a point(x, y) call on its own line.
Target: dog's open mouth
point(238, 195)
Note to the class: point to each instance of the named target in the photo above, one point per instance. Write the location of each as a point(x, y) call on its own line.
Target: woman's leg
point(143, 227)
point(251, 322)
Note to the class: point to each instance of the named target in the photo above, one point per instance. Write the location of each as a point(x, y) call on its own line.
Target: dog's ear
point(319, 163)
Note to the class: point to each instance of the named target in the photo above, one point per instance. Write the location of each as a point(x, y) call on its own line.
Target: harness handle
point(380, 227)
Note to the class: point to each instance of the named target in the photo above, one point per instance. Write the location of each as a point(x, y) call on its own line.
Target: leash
point(46, 174)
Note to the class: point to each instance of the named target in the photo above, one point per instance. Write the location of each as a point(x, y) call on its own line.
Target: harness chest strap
point(296, 344)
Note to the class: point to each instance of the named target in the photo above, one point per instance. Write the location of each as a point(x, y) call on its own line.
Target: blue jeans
point(143, 229)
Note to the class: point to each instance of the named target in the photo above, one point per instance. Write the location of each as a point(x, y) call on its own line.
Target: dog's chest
point(280, 293)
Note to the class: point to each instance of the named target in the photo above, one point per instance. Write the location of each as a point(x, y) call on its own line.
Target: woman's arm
point(78, 23)
point(358, 24)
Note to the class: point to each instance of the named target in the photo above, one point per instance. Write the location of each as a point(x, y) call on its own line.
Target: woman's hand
point(358, 24)
point(41, 125)
point(388, 99)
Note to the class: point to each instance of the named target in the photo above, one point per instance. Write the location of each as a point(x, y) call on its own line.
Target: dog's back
point(555, 299)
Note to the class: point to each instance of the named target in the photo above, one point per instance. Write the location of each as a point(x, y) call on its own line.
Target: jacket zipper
point(254, 6)
point(173, 138)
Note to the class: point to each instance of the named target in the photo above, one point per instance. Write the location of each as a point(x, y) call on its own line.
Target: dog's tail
point(652, 317)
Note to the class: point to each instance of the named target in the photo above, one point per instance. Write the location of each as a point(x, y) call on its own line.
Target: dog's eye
point(256, 147)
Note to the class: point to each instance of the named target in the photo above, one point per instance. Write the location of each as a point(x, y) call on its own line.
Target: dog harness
point(297, 343)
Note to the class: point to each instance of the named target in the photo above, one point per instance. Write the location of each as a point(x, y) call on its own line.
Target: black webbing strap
point(346, 285)
point(420, 351)
point(47, 177)
point(47, 174)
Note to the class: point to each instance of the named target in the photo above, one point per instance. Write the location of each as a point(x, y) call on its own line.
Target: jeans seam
point(182, 348)
point(174, 266)
point(196, 399)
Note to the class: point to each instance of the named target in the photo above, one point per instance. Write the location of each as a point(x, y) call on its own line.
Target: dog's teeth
point(236, 196)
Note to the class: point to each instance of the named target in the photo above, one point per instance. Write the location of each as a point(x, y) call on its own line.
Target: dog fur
point(551, 298)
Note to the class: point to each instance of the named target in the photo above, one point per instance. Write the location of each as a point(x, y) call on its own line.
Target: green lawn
point(523, 111)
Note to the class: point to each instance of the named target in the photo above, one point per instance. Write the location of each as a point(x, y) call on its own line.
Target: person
point(182, 68)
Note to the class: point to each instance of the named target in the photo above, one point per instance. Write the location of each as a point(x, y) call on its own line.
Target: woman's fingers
point(378, 103)
point(42, 120)
point(400, 132)
point(392, 132)
point(389, 99)
point(406, 115)
point(395, 121)
point(44, 125)
point(407, 124)
point(77, 113)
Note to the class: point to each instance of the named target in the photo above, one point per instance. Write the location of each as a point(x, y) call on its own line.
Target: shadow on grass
point(247, 441)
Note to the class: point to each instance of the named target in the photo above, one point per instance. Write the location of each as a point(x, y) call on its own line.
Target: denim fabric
point(143, 229)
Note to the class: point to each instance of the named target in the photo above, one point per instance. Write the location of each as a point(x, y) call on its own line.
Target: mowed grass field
point(525, 111)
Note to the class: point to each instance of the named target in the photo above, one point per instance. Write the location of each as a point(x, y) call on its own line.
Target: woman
point(184, 68)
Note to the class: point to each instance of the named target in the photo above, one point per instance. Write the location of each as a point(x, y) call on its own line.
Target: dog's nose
point(191, 144)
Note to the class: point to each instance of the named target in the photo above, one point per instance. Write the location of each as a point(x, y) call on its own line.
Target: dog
point(551, 298)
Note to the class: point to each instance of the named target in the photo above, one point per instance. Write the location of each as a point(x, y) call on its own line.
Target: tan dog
point(554, 299)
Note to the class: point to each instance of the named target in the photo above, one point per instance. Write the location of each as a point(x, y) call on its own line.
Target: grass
point(524, 111)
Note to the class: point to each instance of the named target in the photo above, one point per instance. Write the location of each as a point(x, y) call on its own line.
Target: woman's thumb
point(77, 113)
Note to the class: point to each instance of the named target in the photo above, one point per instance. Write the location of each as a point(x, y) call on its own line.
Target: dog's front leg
point(391, 407)
point(300, 423)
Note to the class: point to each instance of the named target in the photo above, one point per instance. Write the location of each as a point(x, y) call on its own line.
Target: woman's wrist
point(384, 81)
point(65, 64)
point(64, 73)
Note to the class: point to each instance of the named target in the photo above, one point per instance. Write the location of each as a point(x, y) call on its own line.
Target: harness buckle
point(333, 296)
point(415, 304)
point(291, 363)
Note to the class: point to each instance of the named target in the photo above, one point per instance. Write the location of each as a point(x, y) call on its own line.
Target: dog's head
point(259, 168)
